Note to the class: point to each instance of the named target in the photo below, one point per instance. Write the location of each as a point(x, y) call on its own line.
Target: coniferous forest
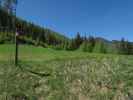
point(33, 34)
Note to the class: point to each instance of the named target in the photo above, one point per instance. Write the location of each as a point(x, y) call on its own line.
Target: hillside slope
point(31, 33)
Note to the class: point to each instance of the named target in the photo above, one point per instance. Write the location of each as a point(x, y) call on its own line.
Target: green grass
point(74, 75)
point(31, 53)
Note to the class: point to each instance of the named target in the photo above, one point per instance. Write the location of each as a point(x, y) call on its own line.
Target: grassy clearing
point(74, 75)
point(31, 53)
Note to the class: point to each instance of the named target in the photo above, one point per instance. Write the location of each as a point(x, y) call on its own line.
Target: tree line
point(39, 36)
point(30, 33)
point(100, 45)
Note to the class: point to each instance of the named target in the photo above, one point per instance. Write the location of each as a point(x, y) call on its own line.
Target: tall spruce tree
point(78, 40)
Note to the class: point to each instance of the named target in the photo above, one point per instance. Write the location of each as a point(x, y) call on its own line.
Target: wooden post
point(16, 37)
point(16, 47)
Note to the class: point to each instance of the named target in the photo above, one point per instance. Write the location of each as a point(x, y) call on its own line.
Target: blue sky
point(111, 19)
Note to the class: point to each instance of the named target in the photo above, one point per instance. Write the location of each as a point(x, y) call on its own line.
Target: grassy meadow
point(47, 74)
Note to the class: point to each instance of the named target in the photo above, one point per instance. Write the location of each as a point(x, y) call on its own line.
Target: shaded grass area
point(85, 77)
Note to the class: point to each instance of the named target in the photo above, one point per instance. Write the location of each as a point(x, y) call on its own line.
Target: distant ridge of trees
point(39, 36)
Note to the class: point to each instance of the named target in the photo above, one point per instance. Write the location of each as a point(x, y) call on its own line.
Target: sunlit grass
point(74, 75)
point(32, 53)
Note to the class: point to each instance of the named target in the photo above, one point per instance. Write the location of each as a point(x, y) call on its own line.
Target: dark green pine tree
point(78, 41)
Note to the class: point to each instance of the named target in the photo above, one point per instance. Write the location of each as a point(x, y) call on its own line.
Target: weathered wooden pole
point(16, 37)
point(16, 48)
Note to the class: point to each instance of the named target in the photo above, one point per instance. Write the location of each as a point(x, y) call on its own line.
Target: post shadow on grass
point(19, 32)
point(19, 97)
point(20, 66)
point(34, 72)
